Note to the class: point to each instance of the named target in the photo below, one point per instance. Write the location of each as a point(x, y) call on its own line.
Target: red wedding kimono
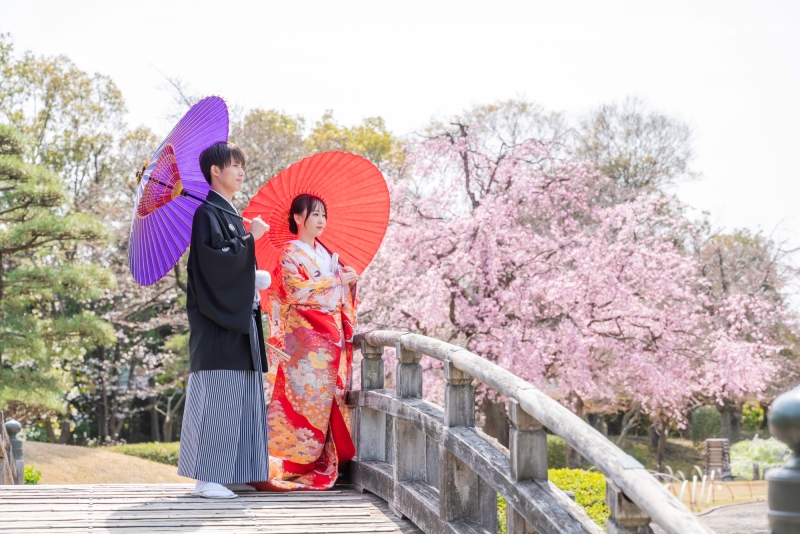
point(313, 318)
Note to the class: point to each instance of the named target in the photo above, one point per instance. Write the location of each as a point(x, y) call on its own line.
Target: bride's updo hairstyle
point(301, 204)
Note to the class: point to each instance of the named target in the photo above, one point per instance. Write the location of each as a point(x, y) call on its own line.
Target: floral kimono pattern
point(313, 318)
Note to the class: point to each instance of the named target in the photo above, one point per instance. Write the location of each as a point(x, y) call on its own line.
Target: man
point(224, 436)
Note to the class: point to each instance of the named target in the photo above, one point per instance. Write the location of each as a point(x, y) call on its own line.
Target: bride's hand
point(349, 275)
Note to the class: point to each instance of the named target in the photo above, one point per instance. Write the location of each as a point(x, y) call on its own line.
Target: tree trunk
point(155, 433)
point(598, 422)
point(101, 356)
point(48, 430)
point(629, 421)
point(663, 434)
point(736, 423)
point(654, 437)
point(104, 418)
point(731, 421)
point(686, 432)
point(64, 437)
point(573, 456)
point(495, 420)
point(168, 427)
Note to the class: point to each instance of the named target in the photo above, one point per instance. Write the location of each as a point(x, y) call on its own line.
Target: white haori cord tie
point(263, 281)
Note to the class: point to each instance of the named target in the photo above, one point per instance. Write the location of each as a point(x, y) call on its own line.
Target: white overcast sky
point(730, 69)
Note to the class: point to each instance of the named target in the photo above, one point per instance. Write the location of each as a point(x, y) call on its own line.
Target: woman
point(313, 317)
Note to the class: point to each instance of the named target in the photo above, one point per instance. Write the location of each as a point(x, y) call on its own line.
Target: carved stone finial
point(13, 427)
point(783, 491)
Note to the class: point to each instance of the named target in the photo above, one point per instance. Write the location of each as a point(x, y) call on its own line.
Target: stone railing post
point(459, 397)
point(783, 484)
point(13, 427)
point(371, 366)
point(369, 425)
point(409, 456)
point(409, 373)
point(6, 468)
point(527, 444)
point(462, 493)
point(626, 517)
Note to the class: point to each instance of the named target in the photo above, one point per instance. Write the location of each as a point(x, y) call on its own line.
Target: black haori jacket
point(220, 291)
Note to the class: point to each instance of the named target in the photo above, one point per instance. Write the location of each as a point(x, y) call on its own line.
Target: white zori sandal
point(240, 487)
point(212, 490)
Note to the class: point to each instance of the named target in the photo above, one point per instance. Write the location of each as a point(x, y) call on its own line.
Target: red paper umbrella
point(355, 194)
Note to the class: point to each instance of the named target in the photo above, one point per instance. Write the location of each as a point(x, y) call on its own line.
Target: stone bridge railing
point(434, 467)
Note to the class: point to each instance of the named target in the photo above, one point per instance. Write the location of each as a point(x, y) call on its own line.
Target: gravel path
point(748, 518)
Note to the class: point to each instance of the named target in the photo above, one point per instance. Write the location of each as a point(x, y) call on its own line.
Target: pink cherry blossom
point(538, 263)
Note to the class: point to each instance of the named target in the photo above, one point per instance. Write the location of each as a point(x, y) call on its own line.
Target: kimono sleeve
point(301, 290)
point(227, 266)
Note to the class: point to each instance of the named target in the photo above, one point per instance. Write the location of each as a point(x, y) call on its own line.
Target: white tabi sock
point(213, 490)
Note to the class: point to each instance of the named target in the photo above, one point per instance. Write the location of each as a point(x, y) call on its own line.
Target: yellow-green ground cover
point(589, 489)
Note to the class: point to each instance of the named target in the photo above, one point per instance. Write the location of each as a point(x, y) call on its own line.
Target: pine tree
point(45, 282)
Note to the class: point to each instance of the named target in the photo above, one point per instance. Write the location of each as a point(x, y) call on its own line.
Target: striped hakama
point(224, 432)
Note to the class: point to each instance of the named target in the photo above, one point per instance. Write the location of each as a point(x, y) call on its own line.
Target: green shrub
point(765, 452)
point(34, 433)
point(32, 475)
point(589, 489)
point(501, 515)
point(556, 452)
point(752, 415)
point(706, 423)
point(165, 453)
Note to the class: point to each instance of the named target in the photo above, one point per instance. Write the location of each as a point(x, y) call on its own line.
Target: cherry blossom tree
point(532, 260)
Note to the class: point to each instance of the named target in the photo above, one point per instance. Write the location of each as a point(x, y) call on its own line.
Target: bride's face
point(312, 224)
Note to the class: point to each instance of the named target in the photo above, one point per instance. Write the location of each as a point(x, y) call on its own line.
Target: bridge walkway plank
point(168, 508)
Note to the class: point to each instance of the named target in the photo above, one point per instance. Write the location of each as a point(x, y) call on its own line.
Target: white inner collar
point(226, 200)
point(320, 255)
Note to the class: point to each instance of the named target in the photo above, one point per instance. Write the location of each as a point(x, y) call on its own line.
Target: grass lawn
point(68, 464)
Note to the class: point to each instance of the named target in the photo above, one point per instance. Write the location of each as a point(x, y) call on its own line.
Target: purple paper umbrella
point(171, 186)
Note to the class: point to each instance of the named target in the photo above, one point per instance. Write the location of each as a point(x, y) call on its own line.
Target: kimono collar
point(220, 201)
point(318, 264)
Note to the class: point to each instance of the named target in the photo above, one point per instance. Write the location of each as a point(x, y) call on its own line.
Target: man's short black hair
point(220, 154)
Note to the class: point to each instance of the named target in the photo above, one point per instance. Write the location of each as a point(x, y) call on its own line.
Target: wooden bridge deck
point(151, 508)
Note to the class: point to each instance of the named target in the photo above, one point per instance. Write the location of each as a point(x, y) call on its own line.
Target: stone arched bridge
point(420, 468)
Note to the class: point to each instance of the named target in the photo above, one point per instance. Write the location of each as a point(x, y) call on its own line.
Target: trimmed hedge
point(165, 453)
point(706, 423)
point(589, 489)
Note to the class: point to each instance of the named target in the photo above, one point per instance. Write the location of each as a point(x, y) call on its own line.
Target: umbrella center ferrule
point(177, 189)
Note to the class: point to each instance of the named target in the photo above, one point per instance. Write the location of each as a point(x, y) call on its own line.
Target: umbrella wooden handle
point(280, 352)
